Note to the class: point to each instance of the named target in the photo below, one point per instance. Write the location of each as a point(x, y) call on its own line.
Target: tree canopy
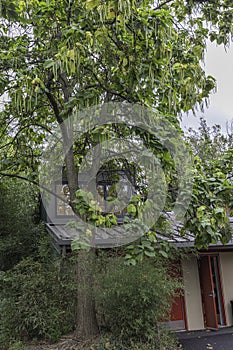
point(59, 57)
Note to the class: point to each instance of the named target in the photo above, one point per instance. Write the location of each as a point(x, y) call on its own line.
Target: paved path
point(215, 342)
point(208, 340)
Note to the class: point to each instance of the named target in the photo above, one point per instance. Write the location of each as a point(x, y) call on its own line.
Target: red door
point(177, 315)
point(208, 294)
point(177, 312)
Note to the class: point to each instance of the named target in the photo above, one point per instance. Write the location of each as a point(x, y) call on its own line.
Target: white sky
point(219, 64)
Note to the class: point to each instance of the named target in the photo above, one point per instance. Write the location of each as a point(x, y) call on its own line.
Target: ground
point(66, 343)
point(69, 343)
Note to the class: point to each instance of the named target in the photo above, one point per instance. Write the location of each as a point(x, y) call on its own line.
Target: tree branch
point(51, 99)
point(16, 176)
point(108, 90)
point(163, 4)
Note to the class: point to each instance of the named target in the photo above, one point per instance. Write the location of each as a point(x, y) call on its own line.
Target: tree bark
point(86, 315)
point(87, 326)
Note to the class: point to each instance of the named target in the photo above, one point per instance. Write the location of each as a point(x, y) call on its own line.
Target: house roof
point(63, 236)
point(187, 240)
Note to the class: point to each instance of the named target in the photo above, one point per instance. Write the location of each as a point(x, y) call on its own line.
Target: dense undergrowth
point(38, 288)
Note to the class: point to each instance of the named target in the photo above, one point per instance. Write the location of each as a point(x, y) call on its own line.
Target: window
point(62, 207)
point(114, 192)
point(114, 198)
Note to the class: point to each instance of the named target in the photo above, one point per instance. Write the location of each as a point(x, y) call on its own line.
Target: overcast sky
point(219, 64)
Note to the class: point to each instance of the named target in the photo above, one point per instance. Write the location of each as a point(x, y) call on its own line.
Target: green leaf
point(149, 253)
point(77, 245)
point(131, 209)
point(49, 63)
point(163, 253)
point(91, 4)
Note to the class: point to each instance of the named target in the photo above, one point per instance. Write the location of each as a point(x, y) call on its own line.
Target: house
point(57, 214)
point(207, 298)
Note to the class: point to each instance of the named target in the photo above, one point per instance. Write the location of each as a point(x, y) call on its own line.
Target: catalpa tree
point(60, 57)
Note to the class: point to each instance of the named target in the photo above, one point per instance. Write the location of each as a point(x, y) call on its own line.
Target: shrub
point(20, 230)
point(131, 300)
point(37, 293)
point(36, 301)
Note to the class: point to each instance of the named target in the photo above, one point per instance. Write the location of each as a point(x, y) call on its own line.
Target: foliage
point(130, 301)
point(146, 52)
point(209, 143)
point(36, 296)
point(20, 228)
point(36, 301)
point(212, 196)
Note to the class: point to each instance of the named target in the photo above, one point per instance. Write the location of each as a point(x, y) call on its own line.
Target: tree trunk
point(87, 326)
point(86, 314)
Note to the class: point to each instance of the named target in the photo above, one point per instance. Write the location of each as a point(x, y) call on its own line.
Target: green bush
point(37, 293)
point(37, 300)
point(20, 230)
point(131, 300)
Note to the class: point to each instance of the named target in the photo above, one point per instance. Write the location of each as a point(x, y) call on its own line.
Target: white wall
point(192, 294)
point(226, 270)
